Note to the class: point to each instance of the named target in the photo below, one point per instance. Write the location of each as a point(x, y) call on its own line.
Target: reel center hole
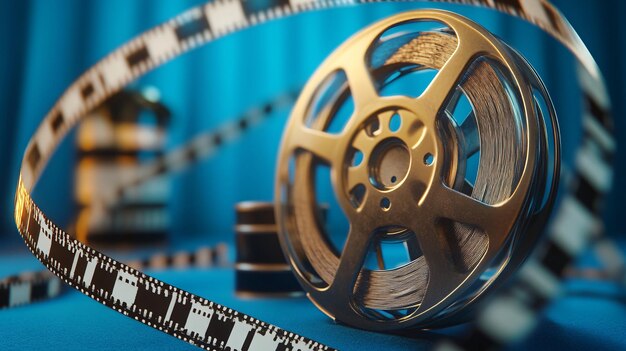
point(389, 163)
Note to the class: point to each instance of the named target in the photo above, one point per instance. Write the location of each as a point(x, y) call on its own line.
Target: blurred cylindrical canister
point(126, 130)
point(261, 269)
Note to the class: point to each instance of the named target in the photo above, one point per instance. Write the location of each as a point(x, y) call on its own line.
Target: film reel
point(212, 326)
point(398, 168)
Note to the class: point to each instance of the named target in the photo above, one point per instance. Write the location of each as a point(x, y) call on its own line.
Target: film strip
point(213, 326)
point(30, 287)
point(33, 287)
point(200, 147)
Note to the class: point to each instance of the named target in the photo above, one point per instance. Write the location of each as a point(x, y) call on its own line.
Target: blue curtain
point(48, 44)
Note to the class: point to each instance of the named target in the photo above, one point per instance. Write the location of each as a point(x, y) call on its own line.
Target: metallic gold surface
point(411, 185)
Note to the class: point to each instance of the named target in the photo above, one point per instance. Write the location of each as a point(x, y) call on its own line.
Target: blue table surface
point(588, 315)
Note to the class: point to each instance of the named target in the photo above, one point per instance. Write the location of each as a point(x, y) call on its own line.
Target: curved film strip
point(212, 326)
point(32, 287)
point(198, 148)
point(29, 287)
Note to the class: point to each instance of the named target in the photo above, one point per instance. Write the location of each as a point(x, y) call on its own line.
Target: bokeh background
point(46, 45)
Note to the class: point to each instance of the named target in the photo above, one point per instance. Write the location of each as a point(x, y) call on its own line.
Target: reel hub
point(389, 151)
point(401, 168)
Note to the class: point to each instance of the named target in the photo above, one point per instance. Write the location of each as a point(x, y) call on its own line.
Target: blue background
point(45, 45)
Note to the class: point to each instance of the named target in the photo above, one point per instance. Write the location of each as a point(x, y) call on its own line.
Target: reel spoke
point(321, 144)
point(360, 82)
point(437, 252)
point(446, 80)
point(456, 206)
point(351, 261)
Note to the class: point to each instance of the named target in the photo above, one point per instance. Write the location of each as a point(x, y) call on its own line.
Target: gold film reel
point(465, 191)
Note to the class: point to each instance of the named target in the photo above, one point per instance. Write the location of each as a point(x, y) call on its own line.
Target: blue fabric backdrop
point(48, 44)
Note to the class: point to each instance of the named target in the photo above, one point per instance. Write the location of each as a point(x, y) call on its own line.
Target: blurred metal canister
point(261, 269)
point(126, 130)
